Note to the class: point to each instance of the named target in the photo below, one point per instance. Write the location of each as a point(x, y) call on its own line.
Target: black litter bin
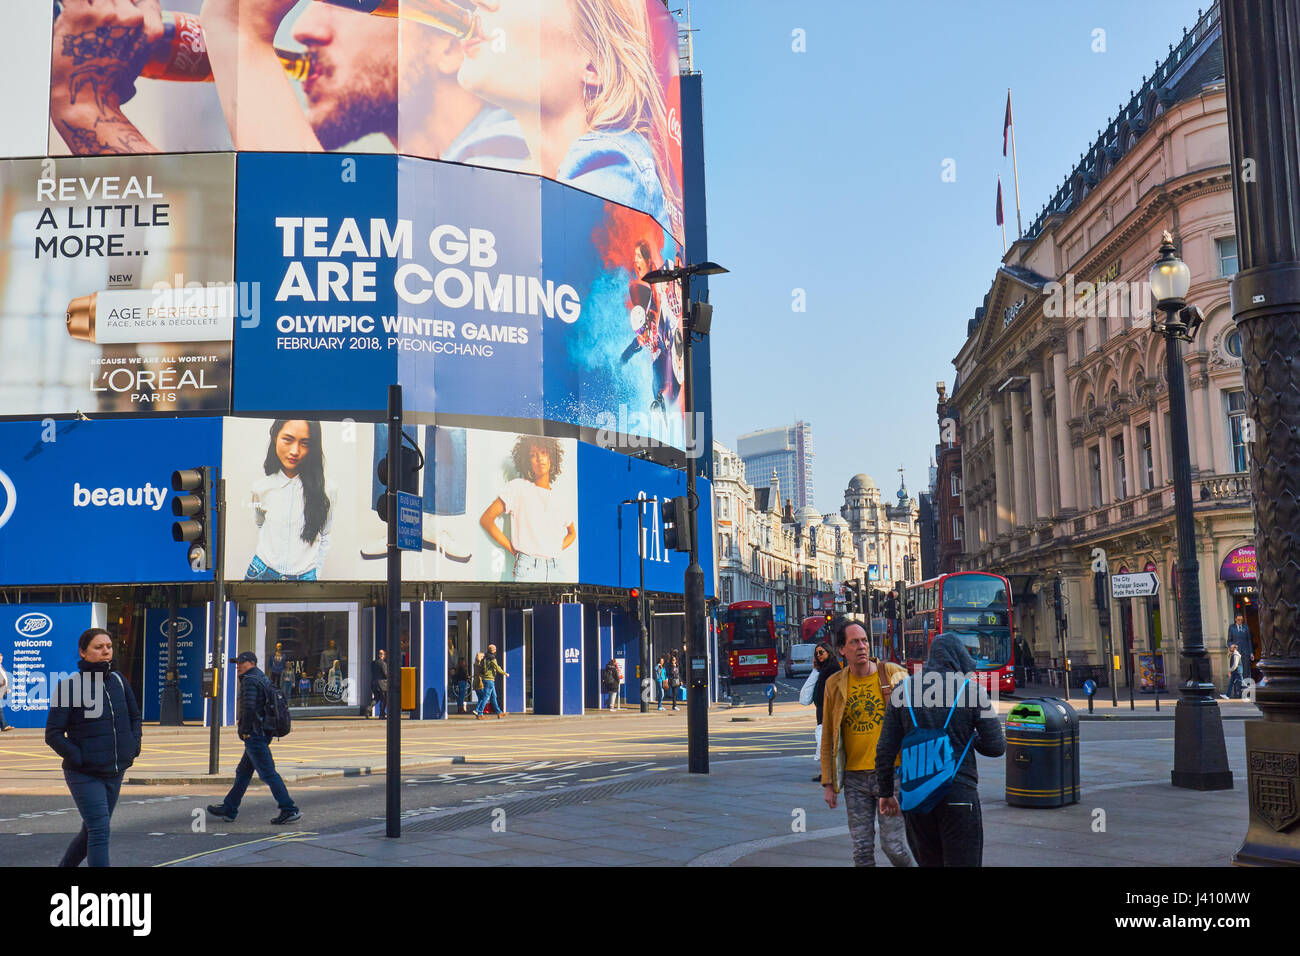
point(1042, 753)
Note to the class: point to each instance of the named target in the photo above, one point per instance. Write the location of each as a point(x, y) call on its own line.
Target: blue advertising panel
point(547, 658)
point(514, 660)
point(607, 529)
point(191, 656)
point(39, 643)
point(88, 501)
point(487, 295)
point(432, 704)
point(571, 689)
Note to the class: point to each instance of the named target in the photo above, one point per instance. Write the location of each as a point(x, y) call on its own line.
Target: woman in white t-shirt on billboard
point(542, 522)
point(293, 506)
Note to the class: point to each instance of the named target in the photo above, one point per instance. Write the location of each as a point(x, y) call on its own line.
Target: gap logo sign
point(88, 502)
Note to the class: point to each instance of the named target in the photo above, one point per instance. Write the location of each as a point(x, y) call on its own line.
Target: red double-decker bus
point(974, 605)
point(749, 640)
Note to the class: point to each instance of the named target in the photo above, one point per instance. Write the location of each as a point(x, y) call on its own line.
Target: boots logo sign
point(34, 624)
point(1273, 787)
point(8, 498)
point(183, 628)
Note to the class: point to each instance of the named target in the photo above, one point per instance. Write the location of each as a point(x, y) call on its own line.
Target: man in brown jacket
point(853, 710)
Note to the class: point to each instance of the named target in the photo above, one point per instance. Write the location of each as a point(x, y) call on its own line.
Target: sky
point(825, 183)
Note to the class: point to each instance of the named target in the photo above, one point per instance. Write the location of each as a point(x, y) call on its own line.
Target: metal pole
point(1263, 91)
point(640, 610)
point(697, 705)
point(393, 765)
point(218, 538)
point(1129, 668)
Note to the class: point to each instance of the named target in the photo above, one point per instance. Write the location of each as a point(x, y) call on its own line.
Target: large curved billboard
point(584, 92)
point(494, 299)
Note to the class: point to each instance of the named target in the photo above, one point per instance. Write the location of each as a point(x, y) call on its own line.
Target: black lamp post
point(695, 321)
point(1263, 91)
point(1200, 755)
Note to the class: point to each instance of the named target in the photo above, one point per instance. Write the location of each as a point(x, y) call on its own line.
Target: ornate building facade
point(796, 560)
point(1060, 395)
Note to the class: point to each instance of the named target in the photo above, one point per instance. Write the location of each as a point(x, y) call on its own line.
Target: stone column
point(1064, 454)
point(1038, 422)
point(1131, 457)
point(1107, 486)
point(1019, 460)
point(1001, 481)
point(1198, 421)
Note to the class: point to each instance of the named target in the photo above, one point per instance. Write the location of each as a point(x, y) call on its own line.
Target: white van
point(800, 659)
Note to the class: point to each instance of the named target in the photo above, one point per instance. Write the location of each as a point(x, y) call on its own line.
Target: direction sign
point(410, 522)
point(1139, 584)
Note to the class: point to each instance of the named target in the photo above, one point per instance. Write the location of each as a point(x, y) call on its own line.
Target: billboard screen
point(497, 507)
point(584, 92)
point(89, 501)
point(486, 295)
point(116, 284)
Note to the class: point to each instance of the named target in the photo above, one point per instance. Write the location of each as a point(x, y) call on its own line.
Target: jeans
point(258, 571)
point(257, 756)
point(378, 700)
point(1234, 684)
point(488, 693)
point(952, 834)
point(861, 792)
point(444, 479)
point(462, 691)
point(2, 714)
point(531, 568)
point(95, 798)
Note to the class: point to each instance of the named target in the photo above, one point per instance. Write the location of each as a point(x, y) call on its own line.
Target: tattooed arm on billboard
point(97, 45)
point(239, 36)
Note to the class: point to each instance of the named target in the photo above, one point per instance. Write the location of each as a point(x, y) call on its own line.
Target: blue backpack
point(928, 767)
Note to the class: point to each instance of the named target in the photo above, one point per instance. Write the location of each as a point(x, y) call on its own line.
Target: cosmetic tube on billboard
point(117, 316)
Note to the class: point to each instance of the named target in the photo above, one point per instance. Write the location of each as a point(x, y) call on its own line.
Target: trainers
point(219, 811)
point(287, 816)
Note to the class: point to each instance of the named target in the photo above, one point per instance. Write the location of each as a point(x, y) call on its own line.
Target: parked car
point(800, 659)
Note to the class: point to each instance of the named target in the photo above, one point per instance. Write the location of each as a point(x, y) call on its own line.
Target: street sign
point(778, 614)
point(1140, 584)
point(410, 522)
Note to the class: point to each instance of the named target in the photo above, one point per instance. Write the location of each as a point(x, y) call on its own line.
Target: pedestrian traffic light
point(677, 524)
point(193, 505)
point(407, 476)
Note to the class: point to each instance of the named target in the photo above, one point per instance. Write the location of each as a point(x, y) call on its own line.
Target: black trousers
point(952, 834)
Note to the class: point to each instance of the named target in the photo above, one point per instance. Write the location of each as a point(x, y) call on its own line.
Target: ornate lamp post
point(1200, 756)
point(1263, 89)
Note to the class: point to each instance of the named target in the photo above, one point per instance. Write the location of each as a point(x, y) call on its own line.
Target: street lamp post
point(1200, 755)
point(694, 321)
point(1263, 91)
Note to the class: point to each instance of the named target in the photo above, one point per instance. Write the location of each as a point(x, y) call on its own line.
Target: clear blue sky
point(824, 174)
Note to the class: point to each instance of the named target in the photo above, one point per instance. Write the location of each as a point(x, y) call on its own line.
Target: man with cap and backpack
point(263, 714)
point(933, 722)
point(853, 704)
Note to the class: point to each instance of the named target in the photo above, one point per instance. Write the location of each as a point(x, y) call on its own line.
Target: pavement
point(349, 746)
point(765, 811)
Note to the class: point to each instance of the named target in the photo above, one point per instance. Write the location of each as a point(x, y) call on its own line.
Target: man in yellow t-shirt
point(853, 710)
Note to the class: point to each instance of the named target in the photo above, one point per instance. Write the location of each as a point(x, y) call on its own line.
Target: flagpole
point(1004, 239)
point(1015, 169)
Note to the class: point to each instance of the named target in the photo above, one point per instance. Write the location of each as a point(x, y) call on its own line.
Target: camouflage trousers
point(860, 795)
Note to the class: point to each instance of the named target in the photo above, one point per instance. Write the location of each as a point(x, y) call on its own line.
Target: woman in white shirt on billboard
point(542, 522)
point(293, 505)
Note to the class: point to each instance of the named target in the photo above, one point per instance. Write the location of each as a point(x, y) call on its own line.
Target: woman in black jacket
point(94, 725)
point(827, 663)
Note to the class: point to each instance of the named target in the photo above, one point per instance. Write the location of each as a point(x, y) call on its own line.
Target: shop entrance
point(1245, 601)
point(318, 647)
point(464, 641)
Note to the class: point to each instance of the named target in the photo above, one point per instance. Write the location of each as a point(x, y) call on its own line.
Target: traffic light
point(891, 605)
point(909, 604)
point(194, 508)
point(875, 603)
point(407, 476)
point(677, 524)
point(634, 603)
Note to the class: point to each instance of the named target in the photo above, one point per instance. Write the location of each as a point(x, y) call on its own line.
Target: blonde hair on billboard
point(615, 36)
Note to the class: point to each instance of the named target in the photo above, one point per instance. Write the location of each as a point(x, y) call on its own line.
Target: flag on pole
point(1006, 124)
point(999, 222)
